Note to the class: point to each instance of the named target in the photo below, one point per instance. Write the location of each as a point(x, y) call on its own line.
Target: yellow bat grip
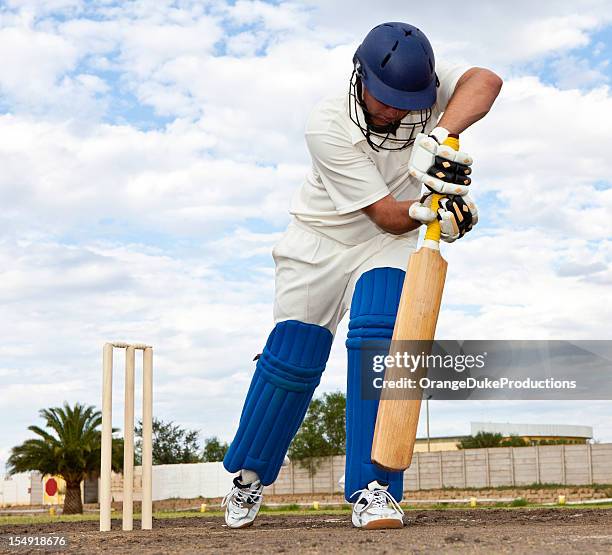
point(433, 228)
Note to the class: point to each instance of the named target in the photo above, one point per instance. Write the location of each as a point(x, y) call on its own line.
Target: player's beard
point(390, 127)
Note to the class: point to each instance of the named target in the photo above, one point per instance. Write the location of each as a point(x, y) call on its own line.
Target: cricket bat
point(417, 316)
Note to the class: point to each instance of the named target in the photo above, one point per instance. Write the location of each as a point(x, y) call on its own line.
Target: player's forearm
point(474, 95)
point(392, 215)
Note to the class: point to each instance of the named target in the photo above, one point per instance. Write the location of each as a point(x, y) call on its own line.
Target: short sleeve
point(349, 176)
point(448, 74)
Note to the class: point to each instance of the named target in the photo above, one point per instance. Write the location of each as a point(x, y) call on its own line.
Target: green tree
point(481, 439)
point(514, 441)
point(322, 433)
point(69, 447)
point(334, 422)
point(171, 444)
point(214, 450)
point(559, 442)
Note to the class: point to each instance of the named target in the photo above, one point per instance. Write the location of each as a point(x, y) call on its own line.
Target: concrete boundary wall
point(178, 481)
point(471, 468)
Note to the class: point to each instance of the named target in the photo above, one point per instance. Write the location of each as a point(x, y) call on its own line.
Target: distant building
point(439, 443)
point(24, 488)
point(532, 433)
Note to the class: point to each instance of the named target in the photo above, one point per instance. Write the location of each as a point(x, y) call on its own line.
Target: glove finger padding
point(450, 172)
point(436, 185)
point(427, 154)
point(457, 215)
point(449, 153)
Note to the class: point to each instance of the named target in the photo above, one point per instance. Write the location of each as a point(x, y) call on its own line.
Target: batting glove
point(457, 215)
point(440, 168)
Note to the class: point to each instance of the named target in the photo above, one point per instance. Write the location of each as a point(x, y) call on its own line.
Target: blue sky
point(150, 149)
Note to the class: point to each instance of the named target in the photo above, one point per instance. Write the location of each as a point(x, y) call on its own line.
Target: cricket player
point(355, 223)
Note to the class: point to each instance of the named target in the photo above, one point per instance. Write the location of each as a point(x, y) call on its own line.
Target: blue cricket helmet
point(396, 64)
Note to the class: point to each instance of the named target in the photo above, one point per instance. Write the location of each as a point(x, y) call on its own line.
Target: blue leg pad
point(373, 311)
point(287, 373)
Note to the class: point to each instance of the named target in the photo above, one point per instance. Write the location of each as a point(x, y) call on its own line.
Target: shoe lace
point(237, 496)
point(378, 499)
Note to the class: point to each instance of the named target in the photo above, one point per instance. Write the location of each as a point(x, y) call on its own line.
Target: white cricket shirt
point(347, 174)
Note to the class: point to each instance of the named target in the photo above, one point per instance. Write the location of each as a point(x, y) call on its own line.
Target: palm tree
point(70, 449)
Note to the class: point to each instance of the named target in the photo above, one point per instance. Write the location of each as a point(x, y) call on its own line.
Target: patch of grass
point(586, 506)
point(520, 502)
point(323, 508)
point(289, 507)
point(441, 506)
point(308, 511)
point(186, 514)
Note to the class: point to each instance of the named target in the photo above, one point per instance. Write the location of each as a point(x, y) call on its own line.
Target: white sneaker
point(376, 508)
point(242, 503)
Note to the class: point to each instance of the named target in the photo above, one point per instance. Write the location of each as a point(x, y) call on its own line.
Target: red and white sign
point(51, 487)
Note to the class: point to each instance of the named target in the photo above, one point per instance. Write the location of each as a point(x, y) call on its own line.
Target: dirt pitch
point(427, 531)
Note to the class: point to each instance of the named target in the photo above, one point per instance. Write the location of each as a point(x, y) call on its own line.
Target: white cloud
point(541, 151)
point(513, 278)
point(556, 33)
point(501, 35)
point(102, 177)
point(288, 16)
point(246, 44)
point(34, 63)
point(243, 243)
point(254, 106)
point(40, 8)
point(572, 72)
point(146, 47)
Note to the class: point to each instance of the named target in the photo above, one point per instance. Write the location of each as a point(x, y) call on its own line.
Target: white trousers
point(316, 276)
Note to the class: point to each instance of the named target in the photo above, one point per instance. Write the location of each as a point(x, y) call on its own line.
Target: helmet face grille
point(397, 137)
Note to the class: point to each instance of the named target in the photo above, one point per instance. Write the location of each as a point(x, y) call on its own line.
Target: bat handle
point(433, 228)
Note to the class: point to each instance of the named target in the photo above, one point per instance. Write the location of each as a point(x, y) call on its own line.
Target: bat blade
point(417, 316)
